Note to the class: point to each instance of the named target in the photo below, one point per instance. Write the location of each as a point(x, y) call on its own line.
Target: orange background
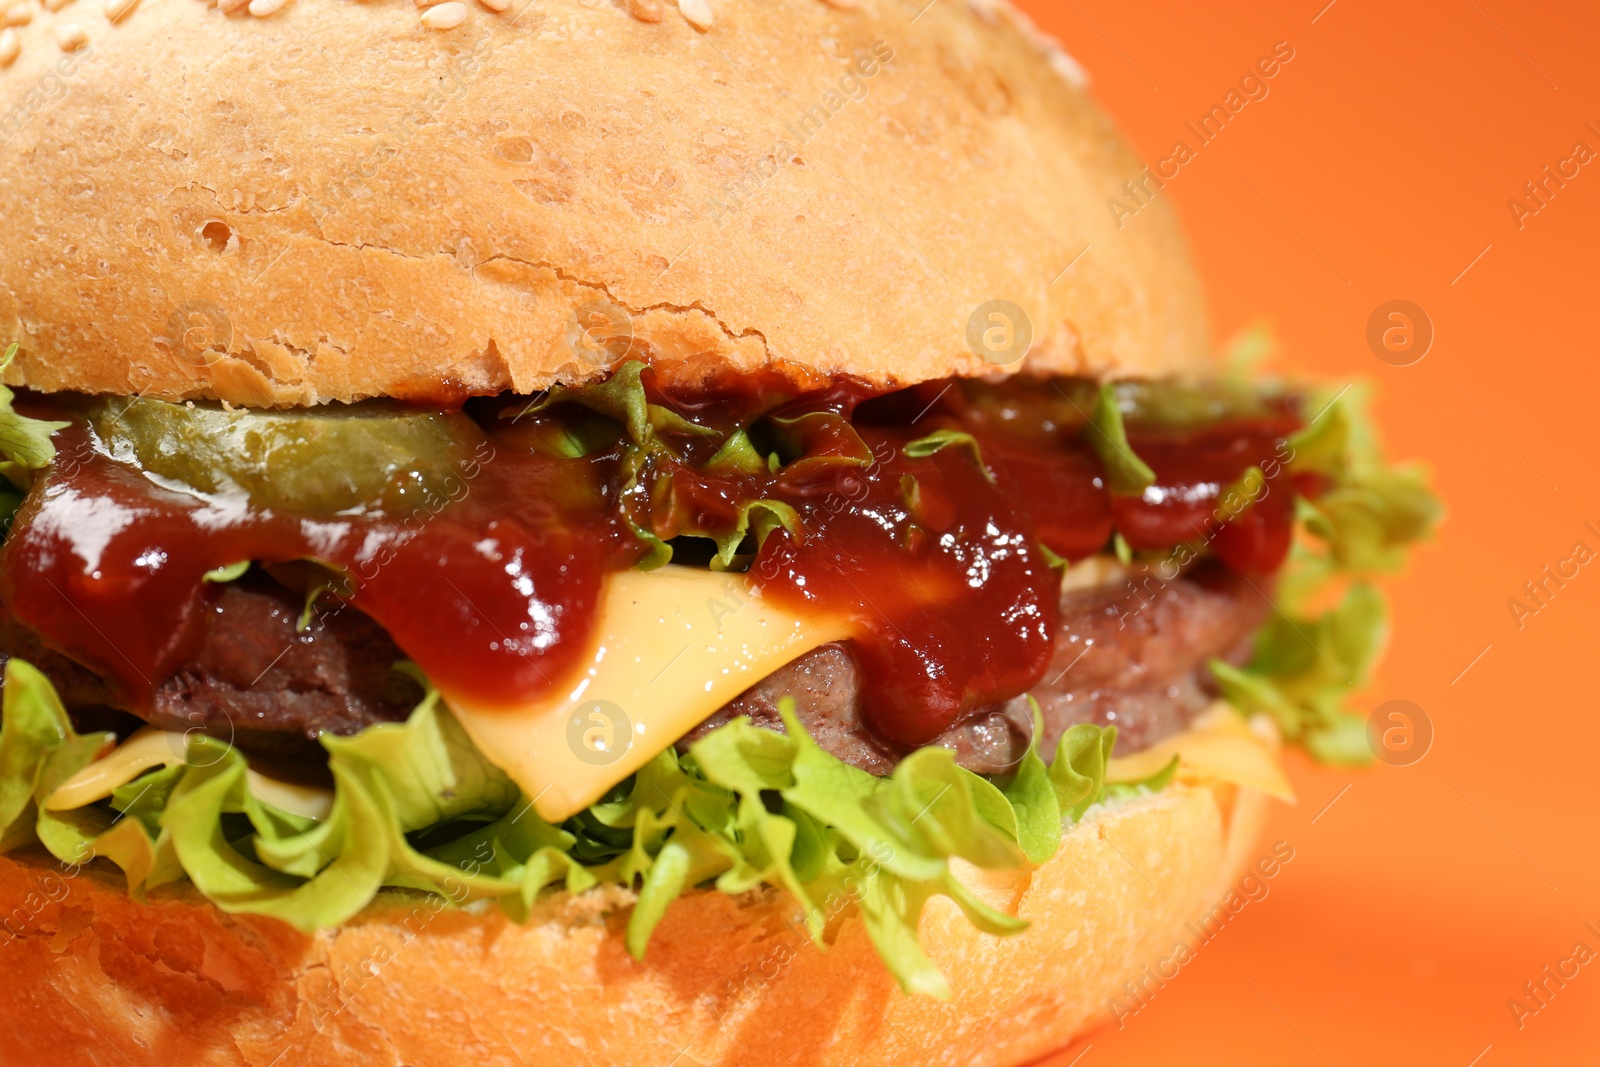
point(1378, 167)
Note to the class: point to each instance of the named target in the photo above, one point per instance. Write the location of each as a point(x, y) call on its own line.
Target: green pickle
point(1176, 404)
point(327, 460)
point(1183, 404)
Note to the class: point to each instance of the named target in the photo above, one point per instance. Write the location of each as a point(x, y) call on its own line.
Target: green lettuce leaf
point(1307, 663)
point(1247, 352)
point(1126, 473)
point(1153, 784)
point(39, 749)
point(1371, 512)
point(431, 765)
point(1304, 669)
point(1240, 495)
point(1033, 799)
point(814, 441)
point(657, 448)
point(1121, 549)
point(1079, 771)
point(940, 439)
point(25, 444)
point(621, 397)
point(229, 572)
point(739, 454)
point(759, 518)
point(416, 806)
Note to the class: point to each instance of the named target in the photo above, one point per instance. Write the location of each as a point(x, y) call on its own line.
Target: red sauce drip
point(1193, 469)
point(917, 551)
point(957, 604)
point(494, 591)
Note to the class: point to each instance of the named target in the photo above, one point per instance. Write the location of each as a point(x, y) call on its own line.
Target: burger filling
point(958, 583)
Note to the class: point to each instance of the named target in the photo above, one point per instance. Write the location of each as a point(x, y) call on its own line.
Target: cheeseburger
point(622, 532)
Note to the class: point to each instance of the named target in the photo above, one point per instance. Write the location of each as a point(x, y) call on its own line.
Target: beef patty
point(1131, 655)
point(254, 680)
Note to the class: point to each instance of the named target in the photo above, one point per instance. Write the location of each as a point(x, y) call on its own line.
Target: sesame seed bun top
point(281, 203)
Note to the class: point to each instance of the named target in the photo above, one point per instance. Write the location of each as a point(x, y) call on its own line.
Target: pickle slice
point(325, 460)
point(1175, 404)
point(1183, 404)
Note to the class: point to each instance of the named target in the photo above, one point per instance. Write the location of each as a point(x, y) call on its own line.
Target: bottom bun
point(93, 977)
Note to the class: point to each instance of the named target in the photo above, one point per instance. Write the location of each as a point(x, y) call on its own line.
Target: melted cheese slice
point(1219, 746)
point(672, 646)
point(149, 748)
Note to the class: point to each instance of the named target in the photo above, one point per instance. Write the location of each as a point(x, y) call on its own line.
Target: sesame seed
point(645, 10)
point(495, 5)
point(985, 11)
point(445, 16)
point(70, 36)
point(1067, 67)
point(843, 5)
point(55, 5)
point(117, 10)
point(10, 45)
point(17, 15)
point(262, 8)
point(697, 12)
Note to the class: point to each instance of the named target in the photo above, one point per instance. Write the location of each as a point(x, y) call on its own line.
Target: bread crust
point(334, 202)
point(94, 977)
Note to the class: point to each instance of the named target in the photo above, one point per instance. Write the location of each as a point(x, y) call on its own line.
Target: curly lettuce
point(1371, 511)
point(416, 806)
point(1126, 473)
point(25, 447)
point(663, 454)
point(942, 439)
point(1307, 663)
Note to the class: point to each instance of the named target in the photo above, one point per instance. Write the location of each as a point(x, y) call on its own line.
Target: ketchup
point(935, 560)
point(491, 591)
point(1193, 470)
point(937, 555)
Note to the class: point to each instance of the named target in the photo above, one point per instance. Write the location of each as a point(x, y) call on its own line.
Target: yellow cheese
point(1093, 572)
point(309, 800)
point(149, 748)
point(672, 646)
point(1219, 746)
point(146, 749)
